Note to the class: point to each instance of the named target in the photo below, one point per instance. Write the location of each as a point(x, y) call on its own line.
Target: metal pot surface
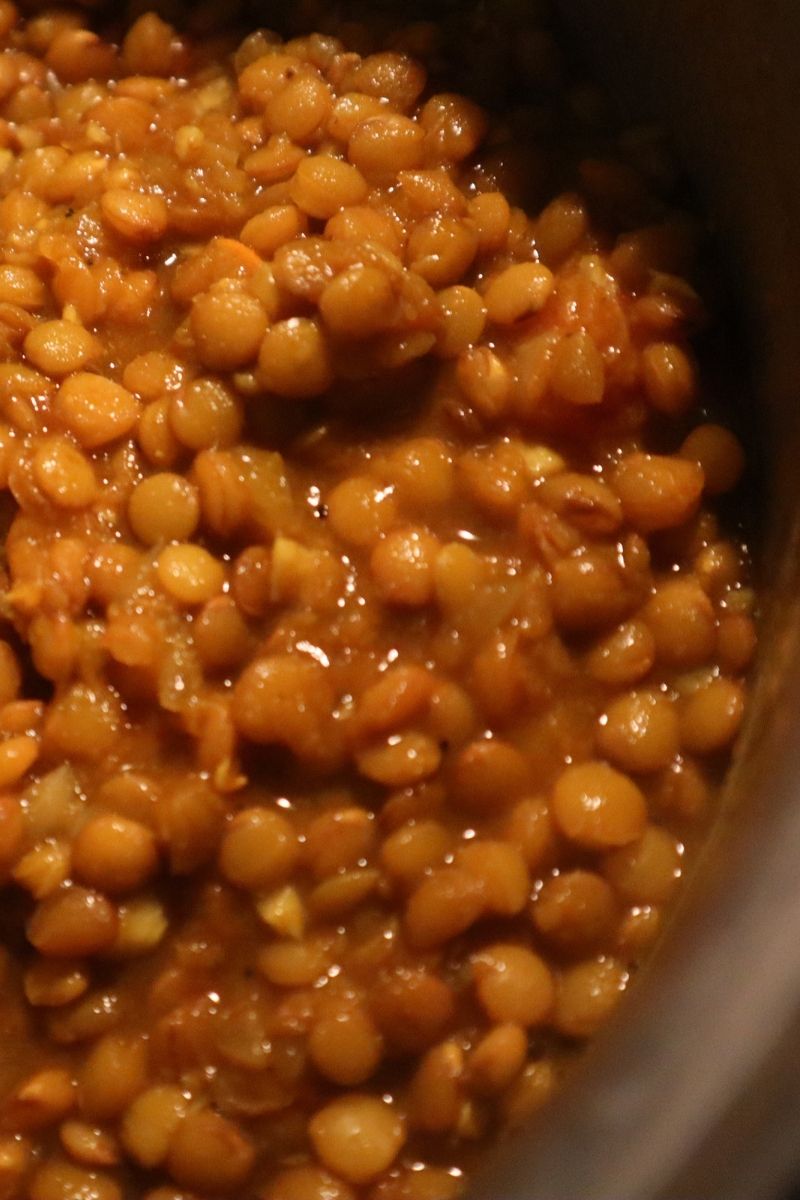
point(693, 1093)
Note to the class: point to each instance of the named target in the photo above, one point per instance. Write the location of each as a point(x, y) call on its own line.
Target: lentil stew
point(374, 643)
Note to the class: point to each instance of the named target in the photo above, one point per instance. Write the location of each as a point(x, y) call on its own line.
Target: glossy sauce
point(374, 649)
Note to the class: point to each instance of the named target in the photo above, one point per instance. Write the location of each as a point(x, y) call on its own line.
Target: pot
point(693, 1093)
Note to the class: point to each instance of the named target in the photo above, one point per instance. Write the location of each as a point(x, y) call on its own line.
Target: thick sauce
point(372, 649)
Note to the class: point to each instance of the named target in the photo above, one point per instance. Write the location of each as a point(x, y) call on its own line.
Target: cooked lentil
point(373, 646)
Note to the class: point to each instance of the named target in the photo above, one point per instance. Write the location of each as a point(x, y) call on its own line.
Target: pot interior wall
point(693, 1093)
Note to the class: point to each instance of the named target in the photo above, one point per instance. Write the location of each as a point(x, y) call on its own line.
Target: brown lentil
point(360, 531)
point(518, 291)
point(228, 326)
point(114, 854)
point(60, 347)
point(669, 378)
point(657, 492)
point(293, 359)
point(682, 621)
point(72, 922)
point(646, 872)
point(719, 454)
point(95, 409)
point(208, 1151)
point(596, 806)
point(258, 849)
point(497, 1059)
point(513, 984)
point(344, 1044)
point(640, 732)
point(163, 508)
point(575, 911)
point(587, 995)
point(135, 216)
point(711, 715)
point(357, 1137)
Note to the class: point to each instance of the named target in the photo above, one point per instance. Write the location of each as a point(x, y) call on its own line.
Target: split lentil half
point(373, 647)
